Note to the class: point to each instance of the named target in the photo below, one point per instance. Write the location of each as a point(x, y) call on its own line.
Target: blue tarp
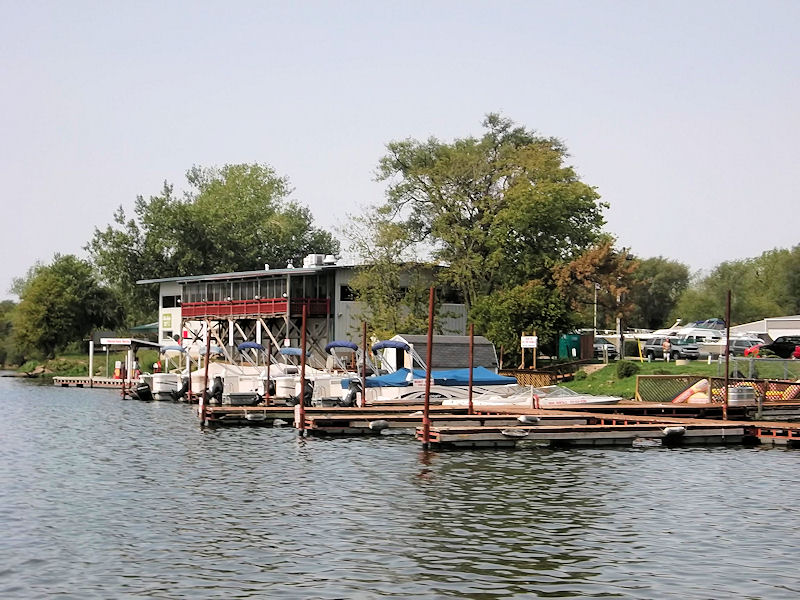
point(480, 376)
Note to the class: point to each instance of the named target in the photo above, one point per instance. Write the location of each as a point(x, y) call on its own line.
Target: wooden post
point(522, 351)
point(269, 362)
point(426, 413)
point(364, 363)
point(91, 363)
point(727, 356)
point(534, 350)
point(201, 409)
point(301, 408)
point(470, 408)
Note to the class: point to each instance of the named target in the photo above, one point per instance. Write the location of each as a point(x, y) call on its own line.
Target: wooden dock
point(92, 382)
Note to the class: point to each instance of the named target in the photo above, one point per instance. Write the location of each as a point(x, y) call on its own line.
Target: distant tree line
point(501, 221)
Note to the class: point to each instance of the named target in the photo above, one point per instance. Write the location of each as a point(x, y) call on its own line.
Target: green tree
point(234, 218)
point(391, 285)
point(529, 307)
point(706, 298)
point(658, 284)
point(499, 210)
point(59, 304)
point(7, 348)
point(496, 213)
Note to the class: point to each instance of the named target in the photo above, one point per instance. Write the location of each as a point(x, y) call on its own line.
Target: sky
point(683, 114)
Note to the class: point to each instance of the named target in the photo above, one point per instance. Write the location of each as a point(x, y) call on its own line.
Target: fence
point(549, 375)
point(760, 368)
point(664, 388)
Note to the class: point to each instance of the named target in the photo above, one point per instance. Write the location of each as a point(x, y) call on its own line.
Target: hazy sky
point(684, 115)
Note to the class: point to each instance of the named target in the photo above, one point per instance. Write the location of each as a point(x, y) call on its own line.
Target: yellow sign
point(166, 321)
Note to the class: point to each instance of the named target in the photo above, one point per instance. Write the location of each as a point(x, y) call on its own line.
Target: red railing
point(265, 307)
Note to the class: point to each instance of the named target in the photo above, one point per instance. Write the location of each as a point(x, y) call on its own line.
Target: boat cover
point(172, 349)
point(291, 351)
point(480, 376)
point(390, 344)
point(250, 346)
point(341, 344)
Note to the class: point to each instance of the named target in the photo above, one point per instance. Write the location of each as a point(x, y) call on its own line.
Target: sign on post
point(529, 341)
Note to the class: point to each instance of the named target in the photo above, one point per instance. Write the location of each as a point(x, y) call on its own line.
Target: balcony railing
point(264, 307)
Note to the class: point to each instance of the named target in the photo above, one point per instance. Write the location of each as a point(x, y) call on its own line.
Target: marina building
point(266, 306)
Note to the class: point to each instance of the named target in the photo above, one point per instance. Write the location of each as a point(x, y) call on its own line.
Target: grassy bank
point(77, 365)
point(606, 381)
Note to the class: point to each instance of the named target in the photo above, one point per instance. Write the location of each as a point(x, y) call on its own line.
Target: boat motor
point(308, 394)
point(215, 393)
point(354, 389)
point(180, 393)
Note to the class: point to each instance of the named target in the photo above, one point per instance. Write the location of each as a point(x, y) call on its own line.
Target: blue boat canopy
point(341, 344)
point(172, 349)
point(391, 344)
point(400, 378)
point(212, 350)
point(291, 351)
point(250, 346)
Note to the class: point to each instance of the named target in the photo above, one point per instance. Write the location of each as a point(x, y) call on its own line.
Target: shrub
point(626, 368)
point(580, 375)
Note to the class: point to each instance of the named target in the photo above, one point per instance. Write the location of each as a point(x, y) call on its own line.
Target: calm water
point(103, 498)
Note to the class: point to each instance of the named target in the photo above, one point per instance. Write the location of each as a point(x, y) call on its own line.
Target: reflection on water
point(104, 498)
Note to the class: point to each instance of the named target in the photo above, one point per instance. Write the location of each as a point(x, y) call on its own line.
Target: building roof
point(241, 274)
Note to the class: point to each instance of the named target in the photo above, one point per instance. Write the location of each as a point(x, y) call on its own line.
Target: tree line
point(500, 222)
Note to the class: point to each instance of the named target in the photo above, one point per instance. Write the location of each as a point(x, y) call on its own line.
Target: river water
point(105, 498)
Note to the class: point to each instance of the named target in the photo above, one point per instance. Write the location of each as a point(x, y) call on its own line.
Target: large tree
point(601, 277)
point(658, 284)
point(61, 303)
point(499, 210)
point(496, 213)
point(234, 218)
point(764, 286)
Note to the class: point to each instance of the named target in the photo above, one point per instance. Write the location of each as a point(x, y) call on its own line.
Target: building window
point(346, 294)
point(170, 301)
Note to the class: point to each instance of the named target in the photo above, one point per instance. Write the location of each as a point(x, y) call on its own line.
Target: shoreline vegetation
point(597, 380)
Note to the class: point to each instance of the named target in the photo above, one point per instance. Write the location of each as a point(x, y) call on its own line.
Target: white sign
point(116, 341)
point(529, 341)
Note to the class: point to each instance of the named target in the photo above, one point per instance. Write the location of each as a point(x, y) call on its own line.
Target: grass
point(77, 365)
point(606, 382)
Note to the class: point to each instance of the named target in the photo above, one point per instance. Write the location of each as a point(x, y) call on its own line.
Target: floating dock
point(92, 382)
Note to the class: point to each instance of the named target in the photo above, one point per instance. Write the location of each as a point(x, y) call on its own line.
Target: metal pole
point(596, 285)
point(301, 408)
point(364, 363)
point(470, 408)
point(727, 355)
point(426, 413)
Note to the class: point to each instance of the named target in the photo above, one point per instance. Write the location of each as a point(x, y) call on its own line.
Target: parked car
point(740, 346)
point(786, 346)
point(678, 348)
point(603, 345)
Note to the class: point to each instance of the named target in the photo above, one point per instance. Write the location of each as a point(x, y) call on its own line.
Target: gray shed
point(449, 351)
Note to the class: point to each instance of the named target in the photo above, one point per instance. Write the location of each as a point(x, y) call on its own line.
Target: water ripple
point(102, 498)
